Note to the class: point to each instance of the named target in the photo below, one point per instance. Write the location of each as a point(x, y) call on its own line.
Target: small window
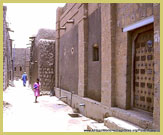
point(15, 68)
point(95, 53)
point(10, 75)
point(20, 68)
point(72, 50)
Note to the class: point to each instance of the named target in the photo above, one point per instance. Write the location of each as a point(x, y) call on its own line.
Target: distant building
point(108, 61)
point(7, 52)
point(42, 59)
point(21, 58)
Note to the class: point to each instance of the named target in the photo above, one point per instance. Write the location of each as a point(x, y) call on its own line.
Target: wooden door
point(144, 71)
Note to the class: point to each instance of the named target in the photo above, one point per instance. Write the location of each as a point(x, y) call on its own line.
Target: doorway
point(143, 68)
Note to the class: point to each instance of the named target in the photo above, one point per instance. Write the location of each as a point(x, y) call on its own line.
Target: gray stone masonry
point(46, 64)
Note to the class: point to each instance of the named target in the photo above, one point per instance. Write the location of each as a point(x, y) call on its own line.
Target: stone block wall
point(68, 57)
point(126, 14)
point(156, 116)
point(4, 49)
point(108, 54)
point(42, 59)
point(33, 65)
point(94, 59)
point(119, 51)
point(7, 52)
point(67, 21)
point(46, 64)
point(21, 58)
point(116, 50)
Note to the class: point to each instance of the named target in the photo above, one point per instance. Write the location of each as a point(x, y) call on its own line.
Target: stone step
point(138, 117)
point(118, 124)
point(96, 126)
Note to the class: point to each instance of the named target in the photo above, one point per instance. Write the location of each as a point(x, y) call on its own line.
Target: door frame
point(134, 36)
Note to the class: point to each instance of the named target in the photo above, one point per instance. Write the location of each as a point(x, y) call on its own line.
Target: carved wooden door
point(144, 71)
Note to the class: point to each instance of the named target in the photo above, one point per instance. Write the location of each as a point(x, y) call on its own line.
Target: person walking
point(36, 88)
point(24, 79)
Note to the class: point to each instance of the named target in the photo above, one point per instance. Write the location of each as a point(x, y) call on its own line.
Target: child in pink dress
point(36, 87)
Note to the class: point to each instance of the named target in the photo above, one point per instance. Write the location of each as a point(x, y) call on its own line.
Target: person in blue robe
point(24, 78)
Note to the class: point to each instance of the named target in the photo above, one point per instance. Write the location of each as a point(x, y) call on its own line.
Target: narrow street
point(102, 60)
point(48, 115)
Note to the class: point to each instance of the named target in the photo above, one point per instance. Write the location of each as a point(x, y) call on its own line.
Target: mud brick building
point(21, 58)
point(7, 52)
point(42, 62)
point(46, 64)
point(108, 61)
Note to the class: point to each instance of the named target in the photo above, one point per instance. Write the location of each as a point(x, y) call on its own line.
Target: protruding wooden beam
point(62, 28)
point(70, 21)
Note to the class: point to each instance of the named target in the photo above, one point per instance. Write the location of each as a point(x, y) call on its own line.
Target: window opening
point(95, 52)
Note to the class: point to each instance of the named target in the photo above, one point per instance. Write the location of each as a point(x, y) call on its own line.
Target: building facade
point(107, 61)
point(7, 52)
point(42, 59)
point(21, 58)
